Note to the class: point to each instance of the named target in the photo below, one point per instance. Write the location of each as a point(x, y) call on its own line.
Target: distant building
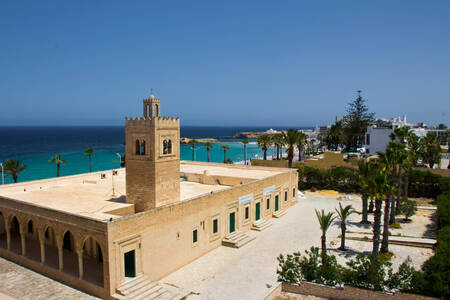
point(377, 139)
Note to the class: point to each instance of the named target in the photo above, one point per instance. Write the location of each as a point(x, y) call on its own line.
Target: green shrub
point(395, 226)
point(443, 209)
point(407, 207)
point(367, 272)
point(406, 279)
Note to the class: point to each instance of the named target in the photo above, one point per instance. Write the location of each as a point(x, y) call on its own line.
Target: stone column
point(59, 244)
point(41, 236)
point(23, 240)
point(8, 235)
point(80, 264)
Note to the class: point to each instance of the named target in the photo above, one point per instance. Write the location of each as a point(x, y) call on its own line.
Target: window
point(285, 196)
point(247, 211)
point(215, 226)
point(138, 148)
point(268, 203)
point(169, 147)
point(194, 236)
point(143, 148)
point(367, 139)
point(165, 147)
point(30, 226)
point(293, 192)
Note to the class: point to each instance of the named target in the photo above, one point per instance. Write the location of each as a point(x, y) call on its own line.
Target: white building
point(376, 139)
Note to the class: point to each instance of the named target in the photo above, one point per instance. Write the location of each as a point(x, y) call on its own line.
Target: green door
point(276, 203)
point(232, 219)
point(130, 269)
point(257, 211)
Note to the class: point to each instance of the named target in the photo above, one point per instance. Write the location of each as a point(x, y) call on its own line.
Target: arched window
point(143, 148)
point(138, 148)
point(156, 110)
point(165, 147)
point(169, 147)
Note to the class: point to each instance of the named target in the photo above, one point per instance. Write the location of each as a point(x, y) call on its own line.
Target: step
point(260, 225)
point(150, 294)
point(139, 288)
point(130, 284)
point(244, 241)
point(147, 289)
point(235, 235)
point(279, 213)
point(237, 241)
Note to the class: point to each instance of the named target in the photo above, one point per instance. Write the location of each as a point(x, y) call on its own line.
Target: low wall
point(345, 293)
point(329, 160)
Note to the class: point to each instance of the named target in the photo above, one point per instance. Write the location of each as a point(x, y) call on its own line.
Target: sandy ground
point(249, 272)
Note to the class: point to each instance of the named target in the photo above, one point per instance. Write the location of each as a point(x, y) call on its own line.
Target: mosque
point(114, 234)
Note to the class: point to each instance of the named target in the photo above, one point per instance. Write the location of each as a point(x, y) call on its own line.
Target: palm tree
point(264, 142)
point(430, 149)
point(245, 142)
point(58, 161)
point(208, 146)
point(325, 221)
point(290, 137)
point(363, 182)
point(224, 148)
point(343, 214)
point(193, 142)
point(89, 151)
point(378, 183)
point(301, 143)
point(13, 168)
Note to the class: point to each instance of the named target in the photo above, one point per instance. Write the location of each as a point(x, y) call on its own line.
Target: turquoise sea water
point(35, 146)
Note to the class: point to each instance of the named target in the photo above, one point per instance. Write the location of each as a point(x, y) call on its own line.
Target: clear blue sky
point(222, 62)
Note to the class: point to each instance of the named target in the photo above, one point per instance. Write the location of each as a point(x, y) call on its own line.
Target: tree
point(430, 149)
point(224, 148)
point(301, 143)
point(364, 184)
point(290, 138)
point(325, 221)
point(408, 208)
point(335, 136)
point(264, 143)
point(356, 122)
point(277, 140)
point(89, 151)
point(13, 168)
point(193, 143)
point(378, 181)
point(208, 147)
point(58, 161)
point(343, 214)
point(245, 142)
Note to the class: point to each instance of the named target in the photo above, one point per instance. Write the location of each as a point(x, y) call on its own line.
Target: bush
point(407, 207)
point(406, 279)
point(341, 179)
point(367, 272)
point(443, 209)
point(395, 226)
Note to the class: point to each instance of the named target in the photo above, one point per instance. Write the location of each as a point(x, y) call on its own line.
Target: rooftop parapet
point(156, 121)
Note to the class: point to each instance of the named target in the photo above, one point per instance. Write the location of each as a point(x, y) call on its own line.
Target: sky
point(222, 63)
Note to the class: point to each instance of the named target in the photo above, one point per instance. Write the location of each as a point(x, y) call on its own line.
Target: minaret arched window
point(156, 110)
point(169, 147)
point(143, 148)
point(165, 147)
point(138, 148)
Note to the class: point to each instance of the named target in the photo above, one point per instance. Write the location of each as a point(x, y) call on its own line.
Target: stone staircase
point(143, 288)
point(237, 240)
point(261, 224)
point(279, 214)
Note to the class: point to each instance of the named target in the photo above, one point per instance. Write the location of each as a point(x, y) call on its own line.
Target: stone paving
point(21, 283)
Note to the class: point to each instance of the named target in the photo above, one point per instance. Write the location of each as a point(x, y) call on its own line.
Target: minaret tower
point(152, 158)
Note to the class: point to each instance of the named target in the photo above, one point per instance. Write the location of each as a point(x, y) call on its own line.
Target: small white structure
point(377, 139)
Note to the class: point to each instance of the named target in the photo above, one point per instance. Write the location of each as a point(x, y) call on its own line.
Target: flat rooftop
point(90, 196)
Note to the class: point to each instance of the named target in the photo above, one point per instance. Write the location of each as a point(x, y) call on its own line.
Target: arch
point(165, 147)
point(169, 147)
point(51, 248)
point(32, 245)
point(3, 236)
point(92, 261)
point(15, 236)
point(70, 257)
point(156, 110)
point(143, 148)
point(138, 147)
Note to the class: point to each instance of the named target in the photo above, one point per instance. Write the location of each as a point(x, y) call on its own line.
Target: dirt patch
point(327, 193)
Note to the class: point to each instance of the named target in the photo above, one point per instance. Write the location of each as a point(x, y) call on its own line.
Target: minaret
point(152, 158)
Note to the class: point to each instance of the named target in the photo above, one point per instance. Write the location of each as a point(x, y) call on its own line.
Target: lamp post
point(112, 172)
point(3, 179)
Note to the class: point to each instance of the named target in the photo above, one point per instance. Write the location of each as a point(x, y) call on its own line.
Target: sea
point(35, 146)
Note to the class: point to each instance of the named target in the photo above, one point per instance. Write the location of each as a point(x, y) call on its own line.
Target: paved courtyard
point(245, 273)
point(250, 272)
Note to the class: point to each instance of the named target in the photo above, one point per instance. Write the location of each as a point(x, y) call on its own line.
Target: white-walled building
point(376, 139)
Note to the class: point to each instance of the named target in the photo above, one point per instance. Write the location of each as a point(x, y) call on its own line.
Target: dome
point(152, 97)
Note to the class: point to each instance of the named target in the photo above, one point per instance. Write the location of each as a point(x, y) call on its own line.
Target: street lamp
point(112, 172)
